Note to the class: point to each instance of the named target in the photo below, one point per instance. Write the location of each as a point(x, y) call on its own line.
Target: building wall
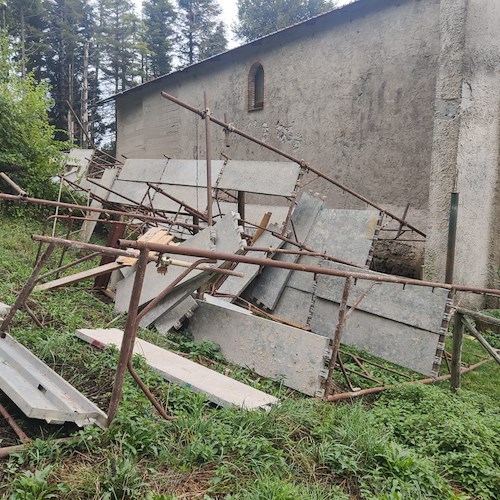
point(352, 93)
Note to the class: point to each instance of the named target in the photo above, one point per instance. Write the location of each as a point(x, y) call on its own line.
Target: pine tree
point(118, 43)
point(201, 34)
point(257, 18)
point(158, 18)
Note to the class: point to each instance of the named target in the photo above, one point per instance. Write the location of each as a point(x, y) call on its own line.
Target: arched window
point(256, 87)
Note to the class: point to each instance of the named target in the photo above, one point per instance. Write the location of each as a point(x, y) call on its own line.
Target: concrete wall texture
point(398, 99)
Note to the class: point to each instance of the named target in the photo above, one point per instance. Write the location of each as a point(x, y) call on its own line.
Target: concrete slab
point(262, 177)
point(178, 294)
point(218, 388)
point(192, 196)
point(135, 191)
point(4, 309)
point(227, 238)
point(271, 349)
point(413, 305)
point(190, 172)
point(41, 393)
point(234, 285)
point(266, 290)
point(294, 305)
point(254, 212)
point(401, 344)
point(143, 170)
point(174, 317)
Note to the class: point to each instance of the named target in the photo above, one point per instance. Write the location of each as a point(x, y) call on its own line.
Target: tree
point(257, 18)
point(158, 18)
point(26, 136)
point(201, 33)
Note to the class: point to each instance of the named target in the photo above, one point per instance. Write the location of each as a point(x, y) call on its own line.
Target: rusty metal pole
point(335, 342)
point(8, 418)
point(208, 135)
point(452, 238)
point(128, 335)
point(456, 356)
point(19, 190)
point(27, 289)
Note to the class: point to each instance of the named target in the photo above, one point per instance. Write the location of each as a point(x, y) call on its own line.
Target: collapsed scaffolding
point(297, 289)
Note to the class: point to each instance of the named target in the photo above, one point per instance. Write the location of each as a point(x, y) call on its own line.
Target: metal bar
point(361, 297)
point(391, 370)
point(19, 190)
point(115, 233)
point(344, 373)
point(208, 136)
point(19, 432)
point(493, 352)
point(68, 266)
point(190, 210)
point(195, 252)
point(335, 342)
point(477, 315)
point(302, 163)
point(63, 251)
point(128, 335)
point(375, 390)
point(84, 208)
point(26, 290)
point(456, 357)
point(452, 238)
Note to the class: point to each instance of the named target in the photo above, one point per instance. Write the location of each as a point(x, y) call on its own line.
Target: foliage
point(201, 34)
point(257, 18)
point(26, 137)
point(159, 15)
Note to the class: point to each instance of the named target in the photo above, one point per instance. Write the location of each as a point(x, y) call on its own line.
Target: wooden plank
point(74, 278)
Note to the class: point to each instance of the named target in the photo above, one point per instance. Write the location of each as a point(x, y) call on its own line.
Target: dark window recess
point(256, 87)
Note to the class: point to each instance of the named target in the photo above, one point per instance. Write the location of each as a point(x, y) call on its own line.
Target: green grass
point(417, 442)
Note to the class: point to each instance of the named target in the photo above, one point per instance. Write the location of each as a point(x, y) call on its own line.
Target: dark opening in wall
point(256, 87)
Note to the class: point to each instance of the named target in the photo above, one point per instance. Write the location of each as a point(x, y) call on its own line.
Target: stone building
point(398, 99)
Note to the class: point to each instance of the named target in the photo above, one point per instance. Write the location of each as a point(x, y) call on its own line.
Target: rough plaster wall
point(478, 150)
point(353, 96)
point(466, 145)
point(447, 117)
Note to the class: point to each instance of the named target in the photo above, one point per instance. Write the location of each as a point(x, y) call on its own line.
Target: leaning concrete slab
point(225, 236)
point(135, 191)
point(41, 393)
point(218, 388)
point(267, 289)
point(401, 344)
point(262, 177)
point(190, 172)
point(142, 170)
point(174, 298)
point(233, 286)
point(174, 317)
point(271, 349)
point(413, 305)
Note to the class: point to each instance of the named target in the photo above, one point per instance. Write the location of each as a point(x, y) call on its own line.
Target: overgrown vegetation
point(410, 443)
point(26, 137)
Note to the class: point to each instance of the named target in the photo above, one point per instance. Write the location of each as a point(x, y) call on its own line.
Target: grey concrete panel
point(263, 177)
point(294, 305)
point(142, 170)
point(173, 317)
point(79, 157)
point(190, 172)
point(344, 234)
point(271, 349)
point(254, 212)
point(174, 298)
point(218, 388)
point(267, 289)
point(234, 285)
point(413, 305)
point(133, 190)
point(41, 393)
point(401, 344)
point(4, 309)
point(227, 239)
point(194, 197)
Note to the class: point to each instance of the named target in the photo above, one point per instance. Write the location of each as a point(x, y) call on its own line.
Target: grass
point(416, 442)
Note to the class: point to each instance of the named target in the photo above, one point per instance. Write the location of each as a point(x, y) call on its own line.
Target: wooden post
point(456, 358)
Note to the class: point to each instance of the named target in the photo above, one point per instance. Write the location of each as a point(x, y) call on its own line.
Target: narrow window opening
point(256, 87)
